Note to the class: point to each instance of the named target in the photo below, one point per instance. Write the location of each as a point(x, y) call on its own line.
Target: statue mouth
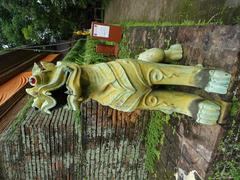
point(48, 100)
point(48, 97)
point(60, 96)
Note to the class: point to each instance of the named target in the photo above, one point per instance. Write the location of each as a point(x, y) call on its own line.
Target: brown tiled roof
point(12, 90)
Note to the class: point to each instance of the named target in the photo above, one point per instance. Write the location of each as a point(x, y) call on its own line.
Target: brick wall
point(105, 144)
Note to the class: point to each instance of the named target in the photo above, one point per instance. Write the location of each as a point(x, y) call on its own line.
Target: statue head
point(55, 84)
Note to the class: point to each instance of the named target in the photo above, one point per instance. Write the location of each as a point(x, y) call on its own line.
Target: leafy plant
point(76, 53)
point(124, 51)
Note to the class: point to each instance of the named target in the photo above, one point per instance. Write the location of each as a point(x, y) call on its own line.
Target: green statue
point(126, 85)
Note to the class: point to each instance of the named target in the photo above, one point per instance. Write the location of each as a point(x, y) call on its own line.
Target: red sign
point(106, 32)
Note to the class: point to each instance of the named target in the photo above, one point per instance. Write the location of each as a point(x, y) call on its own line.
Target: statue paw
point(208, 113)
point(218, 82)
point(174, 53)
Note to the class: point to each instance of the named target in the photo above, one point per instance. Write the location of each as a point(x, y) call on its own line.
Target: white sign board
point(101, 31)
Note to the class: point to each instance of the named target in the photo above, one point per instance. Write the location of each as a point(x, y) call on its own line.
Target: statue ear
point(47, 65)
point(36, 69)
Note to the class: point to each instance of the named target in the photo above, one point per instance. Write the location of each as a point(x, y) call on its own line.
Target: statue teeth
point(67, 92)
point(48, 93)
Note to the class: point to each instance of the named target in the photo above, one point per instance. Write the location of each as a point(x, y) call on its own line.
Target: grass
point(166, 23)
point(227, 164)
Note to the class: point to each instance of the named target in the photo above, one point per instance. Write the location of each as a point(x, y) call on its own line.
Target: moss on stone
point(235, 106)
point(227, 164)
point(155, 137)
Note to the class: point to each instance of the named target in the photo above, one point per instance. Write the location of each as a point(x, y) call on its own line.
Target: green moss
point(155, 137)
point(77, 114)
point(124, 51)
point(227, 164)
point(235, 106)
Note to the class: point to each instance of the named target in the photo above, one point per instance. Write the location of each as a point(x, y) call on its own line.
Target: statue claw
point(218, 82)
point(208, 113)
point(174, 53)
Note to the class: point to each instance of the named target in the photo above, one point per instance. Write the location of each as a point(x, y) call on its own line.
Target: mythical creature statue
point(126, 85)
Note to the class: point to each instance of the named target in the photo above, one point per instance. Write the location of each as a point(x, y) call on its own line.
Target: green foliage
point(155, 137)
point(11, 33)
point(63, 4)
point(42, 21)
point(227, 166)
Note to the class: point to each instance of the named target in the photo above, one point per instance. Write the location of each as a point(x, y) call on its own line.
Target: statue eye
point(32, 81)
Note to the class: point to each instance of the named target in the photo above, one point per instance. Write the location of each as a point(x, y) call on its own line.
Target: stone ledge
point(212, 46)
